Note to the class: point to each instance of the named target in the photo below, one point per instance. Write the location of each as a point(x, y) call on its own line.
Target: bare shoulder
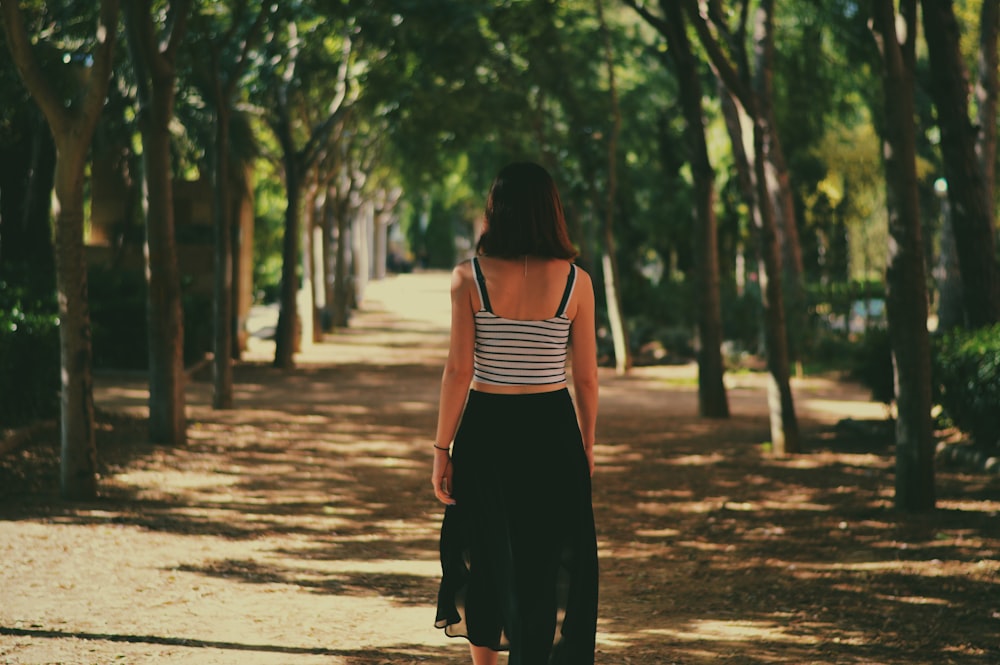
point(462, 278)
point(583, 279)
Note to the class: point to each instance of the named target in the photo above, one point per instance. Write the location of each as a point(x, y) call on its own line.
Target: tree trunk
point(906, 297)
point(781, 407)
point(784, 424)
point(156, 76)
point(167, 420)
point(609, 263)
point(967, 191)
point(987, 86)
point(78, 450)
point(778, 181)
point(950, 311)
point(712, 399)
point(287, 332)
point(222, 201)
point(340, 310)
point(329, 256)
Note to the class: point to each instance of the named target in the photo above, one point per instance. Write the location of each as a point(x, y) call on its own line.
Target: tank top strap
point(570, 283)
point(484, 298)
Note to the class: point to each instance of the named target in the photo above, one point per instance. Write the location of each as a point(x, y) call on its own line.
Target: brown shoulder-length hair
point(524, 216)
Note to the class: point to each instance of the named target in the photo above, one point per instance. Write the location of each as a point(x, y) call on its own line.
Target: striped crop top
point(515, 352)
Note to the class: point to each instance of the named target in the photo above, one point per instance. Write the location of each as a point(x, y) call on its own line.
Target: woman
point(513, 457)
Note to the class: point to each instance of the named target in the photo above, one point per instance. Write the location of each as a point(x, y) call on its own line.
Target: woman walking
point(514, 451)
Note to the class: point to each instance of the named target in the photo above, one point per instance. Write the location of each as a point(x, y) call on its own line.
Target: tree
point(229, 51)
point(712, 399)
point(72, 122)
point(970, 211)
point(286, 82)
point(784, 425)
point(987, 88)
point(906, 297)
point(154, 60)
point(609, 262)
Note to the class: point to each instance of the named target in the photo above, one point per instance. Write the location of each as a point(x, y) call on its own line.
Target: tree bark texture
point(906, 297)
point(781, 406)
point(157, 76)
point(78, 448)
point(341, 303)
point(712, 399)
point(779, 180)
point(987, 88)
point(967, 191)
point(783, 421)
point(222, 347)
point(286, 334)
point(623, 354)
point(72, 131)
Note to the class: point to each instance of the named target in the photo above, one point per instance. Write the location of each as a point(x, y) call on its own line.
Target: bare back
point(526, 289)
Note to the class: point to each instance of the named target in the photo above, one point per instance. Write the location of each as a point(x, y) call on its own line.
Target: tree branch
point(177, 20)
point(720, 62)
point(34, 78)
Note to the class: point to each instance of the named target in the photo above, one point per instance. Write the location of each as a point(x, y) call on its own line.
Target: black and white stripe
point(516, 352)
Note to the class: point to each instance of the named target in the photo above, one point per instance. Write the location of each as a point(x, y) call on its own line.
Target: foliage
point(268, 232)
point(967, 381)
point(29, 357)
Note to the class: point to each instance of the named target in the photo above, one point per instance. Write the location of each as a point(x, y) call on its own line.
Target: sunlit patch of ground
point(299, 527)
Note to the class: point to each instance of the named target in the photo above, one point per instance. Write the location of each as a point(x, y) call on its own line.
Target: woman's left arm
point(583, 345)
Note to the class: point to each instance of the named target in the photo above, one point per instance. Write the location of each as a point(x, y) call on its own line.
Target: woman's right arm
point(583, 341)
point(455, 380)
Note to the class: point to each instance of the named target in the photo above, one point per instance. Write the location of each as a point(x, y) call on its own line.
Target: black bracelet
point(437, 447)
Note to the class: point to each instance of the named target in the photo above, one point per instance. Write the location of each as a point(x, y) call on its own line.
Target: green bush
point(966, 365)
point(29, 359)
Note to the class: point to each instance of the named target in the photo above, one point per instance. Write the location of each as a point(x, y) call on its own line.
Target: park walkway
point(299, 527)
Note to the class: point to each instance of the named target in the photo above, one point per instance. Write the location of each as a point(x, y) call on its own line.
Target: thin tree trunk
point(78, 450)
point(288, 324)
point(967, 191)
point(609, 263)
point(72, 131)
point(712, 399)
point(222, 362)
point(341, 288)
point(906, 297)
point(156, 74)
point(987, 86)
point(779, 181)
point(784, 424)
point(329, 256)
point(950, 311)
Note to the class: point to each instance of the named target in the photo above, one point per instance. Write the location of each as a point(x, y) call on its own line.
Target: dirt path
point(300, 527)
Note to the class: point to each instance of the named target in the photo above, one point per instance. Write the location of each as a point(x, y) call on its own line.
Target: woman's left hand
point(441, 477)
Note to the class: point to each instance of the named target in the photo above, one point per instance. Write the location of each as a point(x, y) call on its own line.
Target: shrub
point(29, 359)
point(966, 365)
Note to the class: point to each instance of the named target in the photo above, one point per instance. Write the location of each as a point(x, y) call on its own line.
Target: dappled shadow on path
point(723, 553)
point(313, 496)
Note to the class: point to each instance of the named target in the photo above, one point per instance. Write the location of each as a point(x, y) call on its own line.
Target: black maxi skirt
point(518, 548)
